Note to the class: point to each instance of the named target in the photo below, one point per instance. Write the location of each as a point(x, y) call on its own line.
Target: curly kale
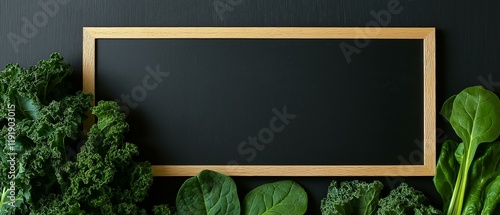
point(355, 197)
point(102, 178)
point(163, 210)
point(406, 200)
point(352, 197)
point(45, 123)
point(30, 89)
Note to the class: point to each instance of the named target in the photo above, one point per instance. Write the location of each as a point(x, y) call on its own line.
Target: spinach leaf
point(447, 108)
point(459, 153)
point(446, 172)
point(484, 177)
point(208, 193)
point(282, 197)
point(475, 117)
point(492, 197)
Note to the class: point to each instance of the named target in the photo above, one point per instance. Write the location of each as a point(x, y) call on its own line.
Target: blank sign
point(271, 101)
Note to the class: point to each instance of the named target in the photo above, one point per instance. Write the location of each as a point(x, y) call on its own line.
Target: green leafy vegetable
point(361, 198)
point(163, 210)
point(447, 108)
point(102, 178)
point(476, 119)
point(405, 200)
point(475, 116)
point(492, 197)
point(459, 154)
point(282, 197)
point(213, 193)
point(485, 181)
point(208, 193)
point(352, 197)
point(47, 120)
point(446, 172)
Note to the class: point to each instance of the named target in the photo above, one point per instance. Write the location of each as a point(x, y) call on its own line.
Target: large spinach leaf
point(208, 193)
point(483, 194)
point(282, 197)
point(475, 116)
point(446, 172)
point(492, 197)
point(447, 108)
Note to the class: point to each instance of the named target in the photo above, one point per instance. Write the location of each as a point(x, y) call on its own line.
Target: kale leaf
point(103, 177)
point(45, 123)
point(362, 198)
point(406, 200)
point(352, 197)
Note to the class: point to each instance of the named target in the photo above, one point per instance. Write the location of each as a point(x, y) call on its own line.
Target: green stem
point(453, 201)
point(457, 200)
point(3, 198)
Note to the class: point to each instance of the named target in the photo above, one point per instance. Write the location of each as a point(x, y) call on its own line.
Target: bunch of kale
point(358, 197)
point(102, 178)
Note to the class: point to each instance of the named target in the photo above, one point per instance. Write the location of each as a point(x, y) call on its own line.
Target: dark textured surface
point(467, 44)
point(218, 95)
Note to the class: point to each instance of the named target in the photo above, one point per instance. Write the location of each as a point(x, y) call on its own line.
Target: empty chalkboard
point(271, 101)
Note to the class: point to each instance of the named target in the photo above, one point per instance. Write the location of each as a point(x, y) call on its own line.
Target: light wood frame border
point(91, 34)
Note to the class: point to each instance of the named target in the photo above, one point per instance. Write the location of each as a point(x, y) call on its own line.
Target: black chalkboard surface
point(257, 105)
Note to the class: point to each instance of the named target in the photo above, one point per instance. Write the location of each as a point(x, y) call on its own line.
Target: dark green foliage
point(46, 122)
point(467, 174)
point(446, 172)
point(281, 197)
point(102, 179)
point(361, 198)
point(351, 197)
point(163, 210)
point(213, 193)
point(208, 193)
point(405, 200)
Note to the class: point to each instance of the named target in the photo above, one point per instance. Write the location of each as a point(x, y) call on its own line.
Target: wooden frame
point(91, 34)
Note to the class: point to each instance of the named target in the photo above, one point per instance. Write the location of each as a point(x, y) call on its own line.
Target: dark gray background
point(220, 92)
point(467, 46)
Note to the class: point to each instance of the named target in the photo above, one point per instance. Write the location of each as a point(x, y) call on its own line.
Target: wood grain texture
point(91, 34)
point(295, 170)
point(88, 75)
point(430, 101)
point(257, 32)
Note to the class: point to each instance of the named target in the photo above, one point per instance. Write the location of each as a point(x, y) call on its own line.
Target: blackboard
point(271, 101)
